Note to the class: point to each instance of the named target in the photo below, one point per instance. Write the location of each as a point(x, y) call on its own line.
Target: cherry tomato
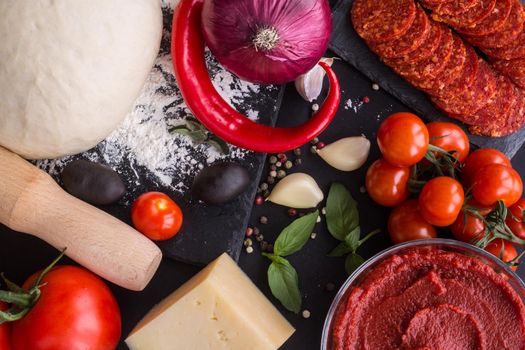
point(76, 310)
point(387, 184)
point(478, 159)
point(156, 215)
point(5, 341)
point(449, 137)
point(495, 182)
point(507, 254)
point(515, 218)
point(467, 228)
point(483, 210)
point(441, 200)
point(403, 139)
point(406, 223)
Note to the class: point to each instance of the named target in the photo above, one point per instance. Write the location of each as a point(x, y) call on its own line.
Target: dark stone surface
point(348, 45)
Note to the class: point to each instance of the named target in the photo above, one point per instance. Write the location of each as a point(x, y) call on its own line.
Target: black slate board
point(350, 47)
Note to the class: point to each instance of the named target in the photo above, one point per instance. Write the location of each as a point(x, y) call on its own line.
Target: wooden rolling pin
point(32, 202)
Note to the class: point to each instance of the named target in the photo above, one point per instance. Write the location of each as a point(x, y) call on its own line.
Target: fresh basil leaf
point(341, 212)
point(295, 235)
point(352, 239)
point(341, 250)
point(284, 284)
point(352, 262)
point(220, 145)
point(179, 129)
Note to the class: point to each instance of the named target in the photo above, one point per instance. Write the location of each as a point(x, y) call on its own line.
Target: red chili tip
point(249, 231)
point(320, 145)
point(366, 99)
point(292, 212)
point(259, 200)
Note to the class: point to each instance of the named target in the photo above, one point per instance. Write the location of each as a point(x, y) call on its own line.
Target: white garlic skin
point(310, 84)
point(347, 154)
point(298, 190)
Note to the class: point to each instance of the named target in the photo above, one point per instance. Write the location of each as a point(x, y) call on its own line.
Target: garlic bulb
point(310, 84)
point(346, 154)
point(297, 190)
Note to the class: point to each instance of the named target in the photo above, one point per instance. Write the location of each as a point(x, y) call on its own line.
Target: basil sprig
point(342, 218)
point(282, 276)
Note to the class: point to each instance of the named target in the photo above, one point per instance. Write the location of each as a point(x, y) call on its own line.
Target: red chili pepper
point(217, 115)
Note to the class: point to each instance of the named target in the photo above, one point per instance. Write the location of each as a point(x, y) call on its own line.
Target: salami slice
point(468, 75)
point(413, 38)
point(514, 69)
point(469, 18)
point(455, 8)
point(508, 33)
point(504, 124)
point(493, 23)
point(500, 107)
point(383, 20)
point(452, 71)
point(515, 49)
point(465, 105)
point(432, 66)
point(427, 48)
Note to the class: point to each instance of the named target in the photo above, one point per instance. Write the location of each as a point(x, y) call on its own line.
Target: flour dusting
point(143, 141)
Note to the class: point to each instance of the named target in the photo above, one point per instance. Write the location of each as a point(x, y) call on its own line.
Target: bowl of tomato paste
point(429, 294)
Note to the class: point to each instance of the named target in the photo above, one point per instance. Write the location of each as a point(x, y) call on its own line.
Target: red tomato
point(507, 254)
point(449, 137)
point(478, 159)
point(406, 223)
point(515, 218)
point(387, 184)
point(468, 228)
point(76, 310)
point(156, 215)
point(403, 139)
point(4, 331)
point(482, 209)
point(495, 182)
point(441, 200)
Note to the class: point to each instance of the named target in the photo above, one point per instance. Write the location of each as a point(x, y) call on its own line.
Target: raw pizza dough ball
point(70, 71)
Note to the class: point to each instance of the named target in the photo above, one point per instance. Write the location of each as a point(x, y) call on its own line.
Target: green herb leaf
point(352, 262)
point(341, 250)
point(295, 235)
point(219, 144)
point(341, 212)
point(352, 239)
point(284, 284)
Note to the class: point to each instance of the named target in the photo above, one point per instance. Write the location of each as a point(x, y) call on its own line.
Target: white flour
point(143, 140)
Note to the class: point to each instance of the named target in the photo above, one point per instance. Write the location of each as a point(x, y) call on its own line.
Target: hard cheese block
point(219, 308)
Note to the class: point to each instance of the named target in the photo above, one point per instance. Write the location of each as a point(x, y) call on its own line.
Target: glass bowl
point(436, 243)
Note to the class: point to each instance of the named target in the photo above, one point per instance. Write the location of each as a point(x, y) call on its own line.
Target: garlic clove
point(298, 190)
point(310, 84)
point(346, 154)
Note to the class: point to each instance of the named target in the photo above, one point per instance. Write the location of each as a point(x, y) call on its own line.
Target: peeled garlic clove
point(297, 190)
point(346, 154)
point(310, 84)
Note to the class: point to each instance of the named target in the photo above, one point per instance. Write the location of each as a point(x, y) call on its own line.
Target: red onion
point(267, 41)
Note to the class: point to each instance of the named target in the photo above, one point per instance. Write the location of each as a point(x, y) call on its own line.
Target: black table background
point(21, 255)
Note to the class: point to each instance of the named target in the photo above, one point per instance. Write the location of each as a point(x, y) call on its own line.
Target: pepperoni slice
point(469, 18)
point(434, 3)
point(468, 75)
point(453, 71)
point(506, 34)
point(413, 38)
point(504, 124)
point(515, 49)
point(382, 20)
point(514, 69)
point(432, 66)
point(471, 100)
point(494, 21)
point(499, 107)
point(456, 7)
point(427, 48)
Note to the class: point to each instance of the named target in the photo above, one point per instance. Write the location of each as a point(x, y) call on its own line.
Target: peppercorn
point(313, 149)
point(269, 248)
point(313, 235)
point(298, 161)
point(259, 200)
point(306, 314)
point(263, 186)
point(366, 99)
point(297, 151)
point(319, 219)
point(278, 164)
point(281, 174)
point(315, 107)
point(314, 141)
point(288, 164)
point(259, 238)
point(264, 246)
point(266, 194)
point(292, 212)
point(282, 157)
point(249, 231)
point(273, 167)
point(249, 249)
point(270, 180)
point(256, 231)
point(248, 242)
point(320, 145)
point(273, 173)
point(375, 87)
point(263, 220)
point(273, 159)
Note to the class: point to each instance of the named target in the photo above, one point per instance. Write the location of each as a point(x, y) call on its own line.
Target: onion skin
point(303, 29)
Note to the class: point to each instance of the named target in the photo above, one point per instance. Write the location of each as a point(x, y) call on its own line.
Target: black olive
point(220, 183)
point(93, 183)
